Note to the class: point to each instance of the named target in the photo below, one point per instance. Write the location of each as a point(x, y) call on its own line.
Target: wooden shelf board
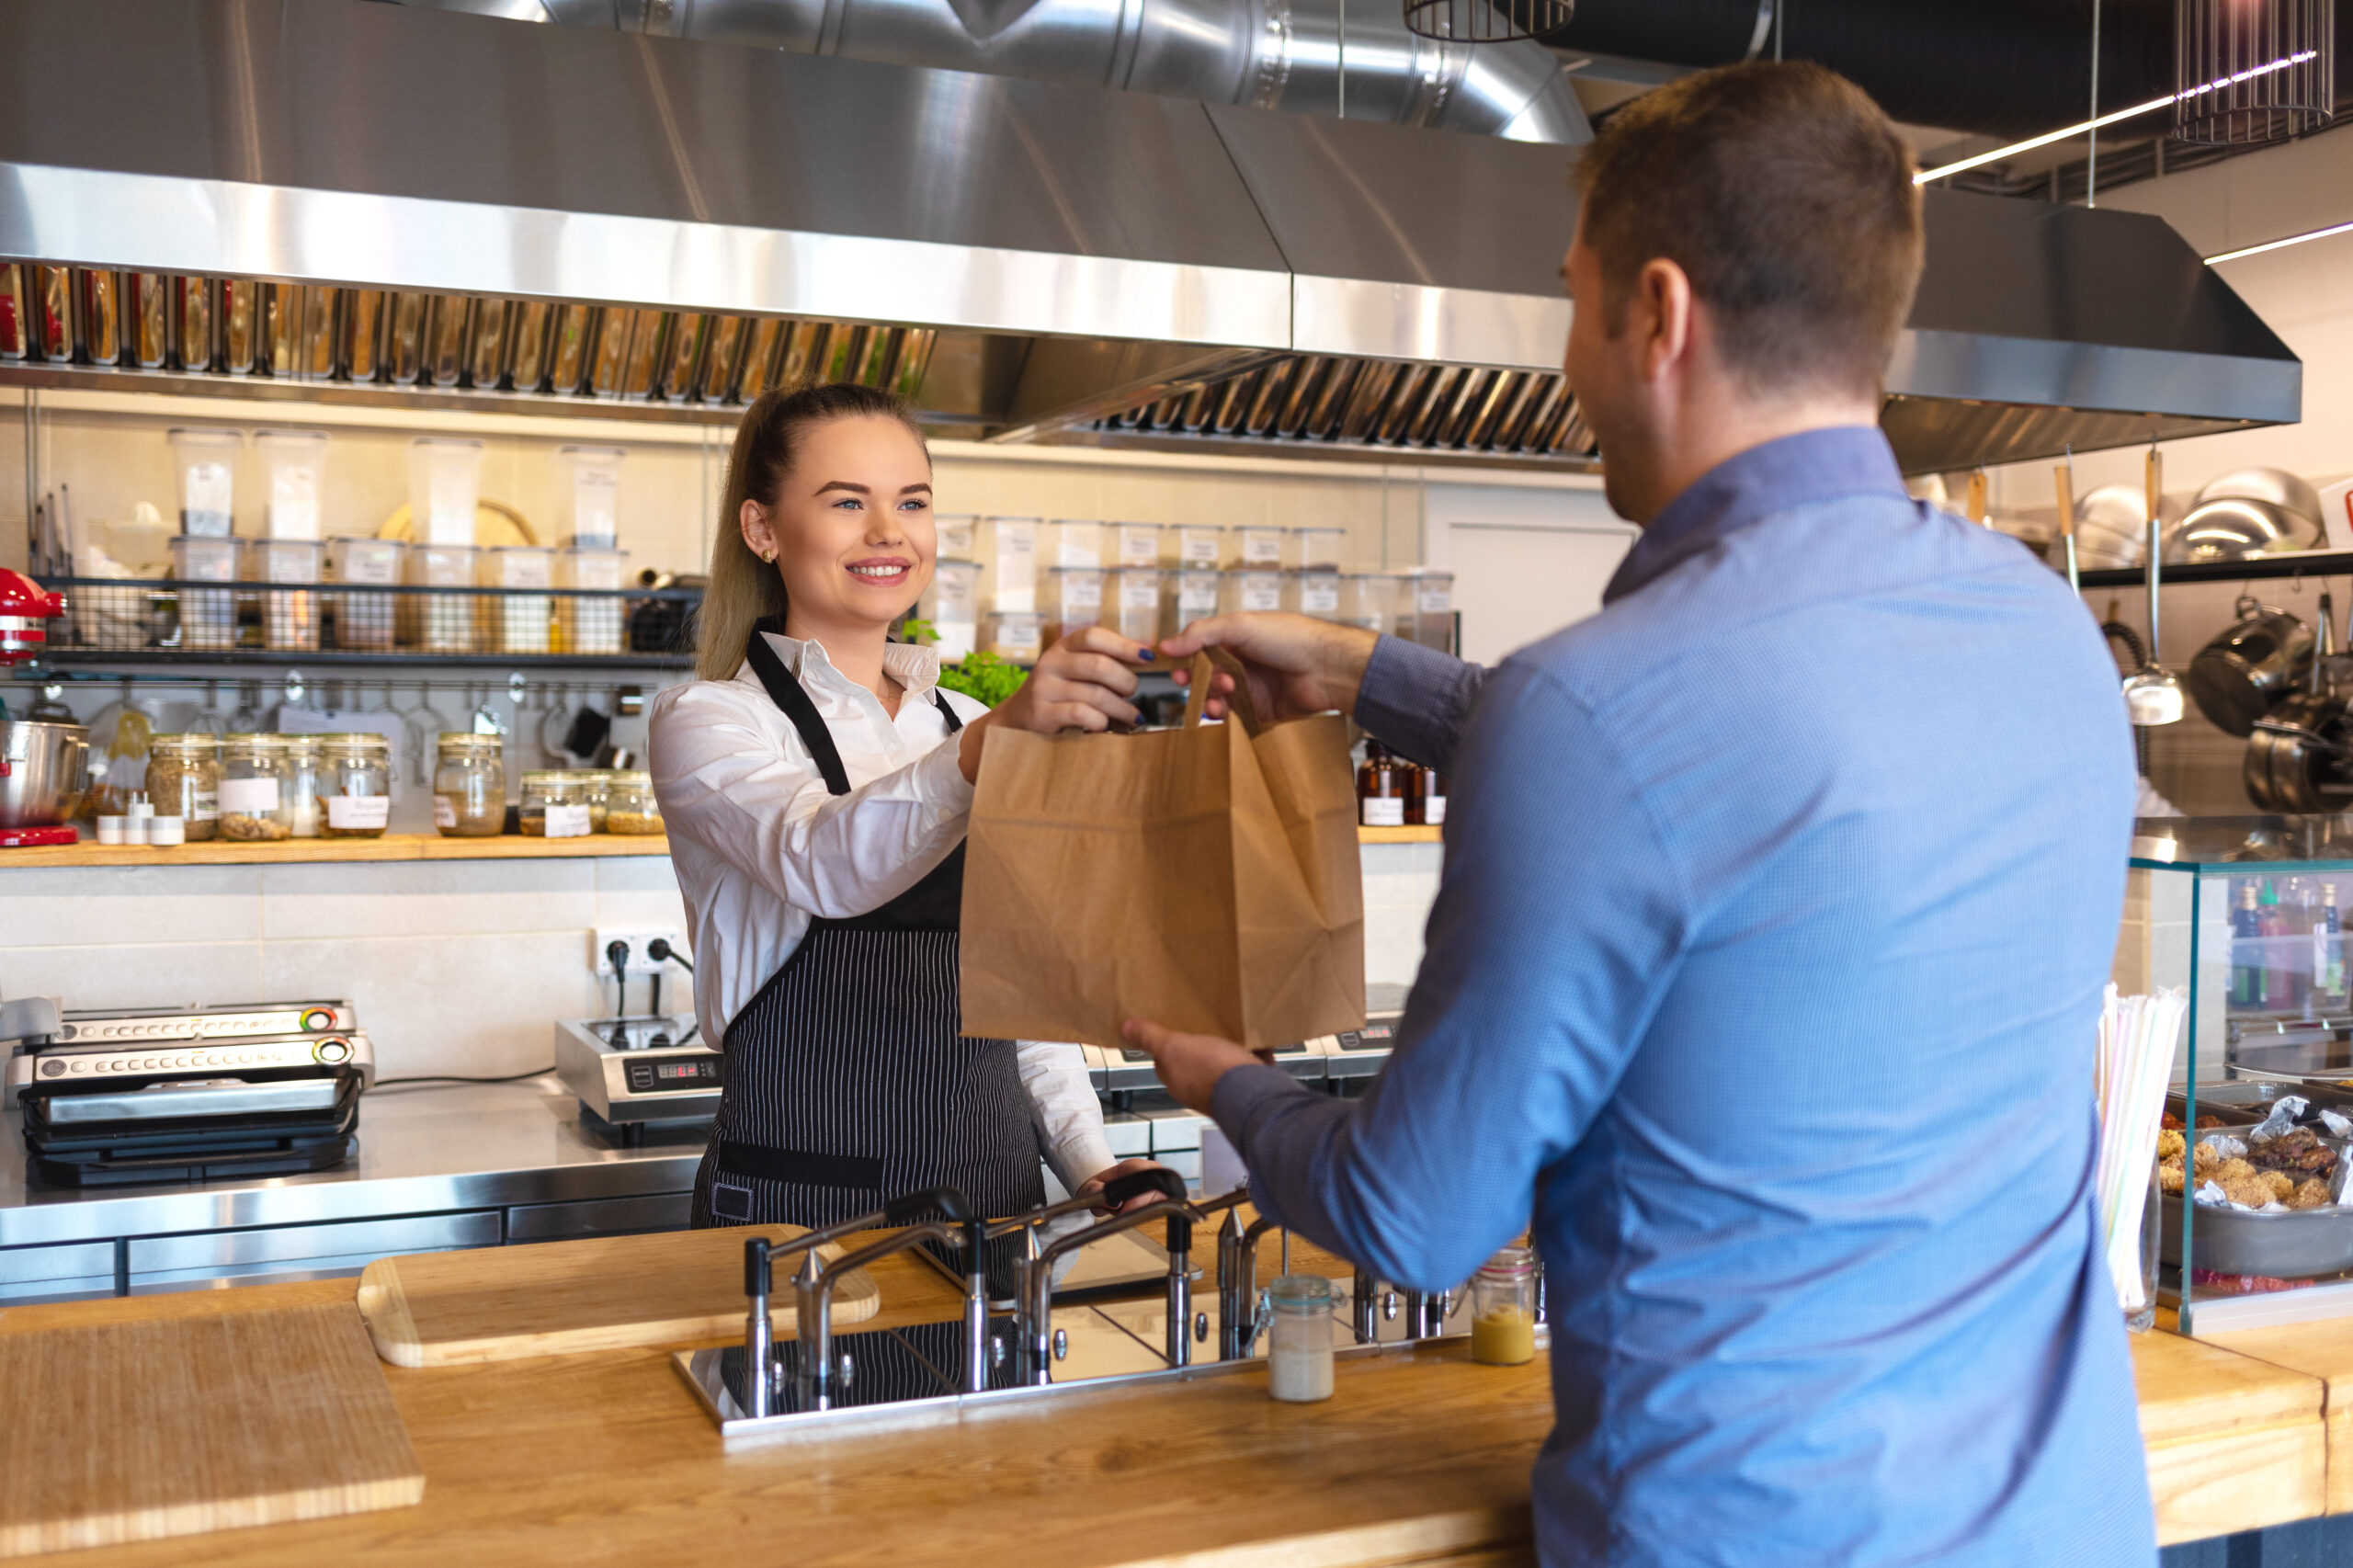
point(1400, 835)
point(392, 846)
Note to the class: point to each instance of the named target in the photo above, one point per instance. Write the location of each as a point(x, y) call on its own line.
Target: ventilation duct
point(1277, 54)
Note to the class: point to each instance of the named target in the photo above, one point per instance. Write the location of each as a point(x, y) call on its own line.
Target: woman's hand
point(1081, 683)
point(1296, 665)
point(1111, 1173)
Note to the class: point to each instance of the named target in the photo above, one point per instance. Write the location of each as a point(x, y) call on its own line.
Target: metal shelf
point(54, 661)
point(2302, 563)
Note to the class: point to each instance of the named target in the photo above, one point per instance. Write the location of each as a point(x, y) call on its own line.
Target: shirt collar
point(915, 667)
point(1789, 470)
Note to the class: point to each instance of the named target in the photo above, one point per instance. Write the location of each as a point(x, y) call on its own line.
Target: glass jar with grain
point(469, 785)
point(306, 761)
point(630, 805)
point(355, 786)
point(184, 780)
point(555, 804)
point(256, 805)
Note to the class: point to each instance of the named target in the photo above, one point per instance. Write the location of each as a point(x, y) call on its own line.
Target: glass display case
point(2245, 914)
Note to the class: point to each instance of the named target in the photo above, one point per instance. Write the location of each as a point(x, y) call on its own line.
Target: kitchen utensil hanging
point(2251, 668)
point(2152, 695)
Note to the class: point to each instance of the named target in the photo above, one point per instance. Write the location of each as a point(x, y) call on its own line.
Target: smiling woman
point(816, 783)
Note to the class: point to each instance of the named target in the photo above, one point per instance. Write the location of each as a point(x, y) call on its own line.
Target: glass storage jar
point(255, 803)
point(306, 761)
point(630, 805)
point(595, 784)
point(555, 804)
point(1299, 1338)
point(355, 786)
point(469, 785)
point(184, 780)
point(1502, 1308)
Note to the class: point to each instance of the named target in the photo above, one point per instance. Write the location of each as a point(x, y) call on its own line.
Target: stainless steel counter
point(439, 1166)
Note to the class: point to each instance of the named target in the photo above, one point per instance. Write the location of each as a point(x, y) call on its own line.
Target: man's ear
point(1660, 312)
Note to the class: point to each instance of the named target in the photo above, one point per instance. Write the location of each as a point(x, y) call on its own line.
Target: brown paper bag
point(1206, 878)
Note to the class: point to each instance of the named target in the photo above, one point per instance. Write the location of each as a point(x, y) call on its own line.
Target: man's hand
point(1296, 665)
point(1081, 683)
point(1190, 1064)
point(1096, 1182)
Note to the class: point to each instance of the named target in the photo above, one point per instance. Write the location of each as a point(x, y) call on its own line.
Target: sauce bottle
point(1381, 788)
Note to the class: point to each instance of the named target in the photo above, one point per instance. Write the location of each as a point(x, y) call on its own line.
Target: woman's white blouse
point(761, 846)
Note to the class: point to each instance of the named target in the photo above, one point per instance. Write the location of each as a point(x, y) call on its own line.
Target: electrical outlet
point(639, 965)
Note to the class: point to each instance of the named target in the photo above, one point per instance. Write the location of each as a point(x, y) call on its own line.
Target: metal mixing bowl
point(43, 775)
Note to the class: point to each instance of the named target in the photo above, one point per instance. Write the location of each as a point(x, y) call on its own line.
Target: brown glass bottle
point(1433, 798)
point(1381, 788)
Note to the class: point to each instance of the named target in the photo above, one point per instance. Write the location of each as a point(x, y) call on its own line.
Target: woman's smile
point(889, 571)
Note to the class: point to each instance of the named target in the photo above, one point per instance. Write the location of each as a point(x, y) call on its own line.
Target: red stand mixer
point(42, 764)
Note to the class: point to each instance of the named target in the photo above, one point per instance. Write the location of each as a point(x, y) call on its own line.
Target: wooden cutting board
point(131, 1431)
point(440, 1309)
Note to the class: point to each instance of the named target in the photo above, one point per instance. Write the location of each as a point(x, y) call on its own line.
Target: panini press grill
point(159, 1095)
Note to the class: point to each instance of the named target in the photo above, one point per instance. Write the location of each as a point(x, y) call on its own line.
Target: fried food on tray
point(2230, 1171)
point(2313, 1193)
point(2169, 1146)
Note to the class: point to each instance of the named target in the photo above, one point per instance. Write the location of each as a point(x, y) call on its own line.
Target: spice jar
point(255, 803)
point(469, 785)
point(355, 786)
point(1502, 1308)
point(630, 805)
point(184, 780)
point(1385, 787)
point(1299, 1338)
point(555, 805)
point(595, 785)
point(306, 761)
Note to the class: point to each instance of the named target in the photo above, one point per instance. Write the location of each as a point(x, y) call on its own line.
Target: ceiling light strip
point(1925, 175)
point(2274, 245)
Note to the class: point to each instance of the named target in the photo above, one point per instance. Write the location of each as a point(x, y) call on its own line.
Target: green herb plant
point(985, 677)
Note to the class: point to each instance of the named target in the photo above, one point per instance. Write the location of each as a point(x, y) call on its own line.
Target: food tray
point(2300, 1244)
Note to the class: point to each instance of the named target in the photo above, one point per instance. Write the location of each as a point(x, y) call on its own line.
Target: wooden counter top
point(2321, 1350)
point(1420, 1458)
point(391, 846)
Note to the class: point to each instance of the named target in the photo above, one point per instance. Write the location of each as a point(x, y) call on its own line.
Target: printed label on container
point(1085, 592)
point(568, 822)
point(1383, 811)
point(1323, 599)
point(1439, 601)
point(444, 811)
point(362, 564)
point(1433, 806)
point(1200, 599)
point(1261, 546)
point(1198, 548)
point(1268, 594)
point(204, 805)
point(1139, 546)
point(1141, 591)
point(363, 811)
point(250, 797)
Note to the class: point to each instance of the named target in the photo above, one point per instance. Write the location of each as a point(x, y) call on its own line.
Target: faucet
point(1034, 1295)
point(1238, 1285)
point(759, 1253)
point(813, 1305)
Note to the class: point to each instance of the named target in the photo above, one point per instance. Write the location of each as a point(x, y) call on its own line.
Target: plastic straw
point(2138, 1036)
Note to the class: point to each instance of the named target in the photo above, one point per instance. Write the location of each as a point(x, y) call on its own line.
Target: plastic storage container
point(469, 785)
point(1074, 600)
point(207, 460)
point(208, 616)
point(589, 625)
point(952, 604)
point(514, 622)
point(1132, 544)
point(364, 621)
point(1365, 599)
point(588, 493)
point(630, 807)
point(255, 803)
point(1132, 603)
point(1261, 547)
point(1196, 545)
point(1298, 1339)
point(439, 623)
point(1017, 637)
point(1007, 551)
point(555, 805)
point(289, 617)
point(354, 785)
point(1071, 541)
point(1314, 547)
point(1432, 610)
point(444, 482)
point(306, 783)
point(184, 780)
point(295, 462)
point(1189, 595)
point(1313, 591)
point(1250, 588)
point(956, 536)
point(1502, 1308)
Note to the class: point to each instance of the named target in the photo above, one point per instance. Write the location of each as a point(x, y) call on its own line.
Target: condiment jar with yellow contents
point(1502, 1308)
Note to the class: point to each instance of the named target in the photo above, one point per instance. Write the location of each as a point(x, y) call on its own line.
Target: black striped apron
point(847, 1078)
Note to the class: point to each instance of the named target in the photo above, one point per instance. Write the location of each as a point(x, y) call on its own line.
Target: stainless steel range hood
point(417, 207)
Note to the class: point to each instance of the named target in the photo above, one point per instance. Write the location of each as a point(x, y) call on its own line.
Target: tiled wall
point(454, 966)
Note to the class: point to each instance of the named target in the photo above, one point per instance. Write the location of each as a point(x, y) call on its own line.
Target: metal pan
point(2297, 1245)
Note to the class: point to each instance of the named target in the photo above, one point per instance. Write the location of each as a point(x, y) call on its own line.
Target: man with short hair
point(1777, 905)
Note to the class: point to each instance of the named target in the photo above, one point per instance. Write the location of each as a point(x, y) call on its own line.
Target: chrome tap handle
point(813, 1289)
point(758, 1332)
point(1237, 1286)
point(1036, 1305)
point(1180, 1287)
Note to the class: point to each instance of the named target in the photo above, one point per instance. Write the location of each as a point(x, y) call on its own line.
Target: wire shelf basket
point(207, 619)
point(1488, 21)
point(2250, 71)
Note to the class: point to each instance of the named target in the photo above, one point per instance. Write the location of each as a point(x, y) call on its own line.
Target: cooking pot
point(2293, 759)
point(2237, 677)
point(40, 772)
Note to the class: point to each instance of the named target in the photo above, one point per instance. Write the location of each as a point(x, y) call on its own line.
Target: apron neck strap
point(787, 693)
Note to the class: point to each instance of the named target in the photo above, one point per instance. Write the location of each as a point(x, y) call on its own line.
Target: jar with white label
point(305, 767)
point(555, 804)
point(1017, 638)
point(1194, 546)
point(1190, 596)
point(1131, 544)
point(1263, 547)
point(1313, 592)
point(1074, 601)
point(470, 786)
point(1251, 590)
point(355, 786)
point(1006, 548)
point(184, 780)
point(1134, 607)
point(1433, 610)
point(254, 804)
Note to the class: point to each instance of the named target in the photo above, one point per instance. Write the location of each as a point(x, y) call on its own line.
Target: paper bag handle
point(1237, 702)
